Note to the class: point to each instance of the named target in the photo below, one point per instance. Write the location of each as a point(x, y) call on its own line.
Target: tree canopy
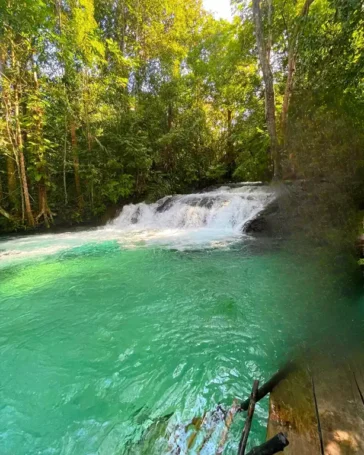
point(104, 102)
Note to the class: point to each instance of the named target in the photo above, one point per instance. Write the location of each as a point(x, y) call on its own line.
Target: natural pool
point(99, 340)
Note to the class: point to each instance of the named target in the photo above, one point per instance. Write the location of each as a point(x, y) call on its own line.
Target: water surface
point(103, 340)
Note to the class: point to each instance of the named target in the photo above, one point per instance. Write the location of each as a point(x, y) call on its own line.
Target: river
point(112, 340)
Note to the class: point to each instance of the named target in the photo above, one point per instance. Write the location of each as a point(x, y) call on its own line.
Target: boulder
point(265, 222)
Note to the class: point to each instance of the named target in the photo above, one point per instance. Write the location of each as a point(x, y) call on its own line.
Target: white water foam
point(226, 209)
point(209, 219)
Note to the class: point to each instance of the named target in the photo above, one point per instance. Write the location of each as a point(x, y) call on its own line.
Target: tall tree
point(270, 107)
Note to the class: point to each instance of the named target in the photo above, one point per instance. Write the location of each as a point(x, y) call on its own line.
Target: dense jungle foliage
point(105, 101)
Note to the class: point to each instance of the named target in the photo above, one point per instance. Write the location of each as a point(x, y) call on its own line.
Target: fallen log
point(269, 385)
point(249, 418)
point(274, 445)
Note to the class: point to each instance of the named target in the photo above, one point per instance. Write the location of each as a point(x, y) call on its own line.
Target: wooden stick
point(271, 447)
point(249, 418)
point(269, 385)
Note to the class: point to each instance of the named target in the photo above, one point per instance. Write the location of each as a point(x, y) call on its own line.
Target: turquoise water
point(100, 343)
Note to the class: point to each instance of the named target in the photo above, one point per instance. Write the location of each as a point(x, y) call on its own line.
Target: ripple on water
point(114, 351)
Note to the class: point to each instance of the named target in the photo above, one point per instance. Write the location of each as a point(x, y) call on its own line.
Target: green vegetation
point(106, 101)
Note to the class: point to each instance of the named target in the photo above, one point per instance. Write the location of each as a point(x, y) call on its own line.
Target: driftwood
point(249, 418)
point(269, 385)
point(274, 445)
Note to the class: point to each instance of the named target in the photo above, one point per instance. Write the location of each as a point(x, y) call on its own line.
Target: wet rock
point(232, 185)
point(205, 201)
point(165, 204)
point(135, 217)
point(303, 209)
point(265, 222)
point(257, 225)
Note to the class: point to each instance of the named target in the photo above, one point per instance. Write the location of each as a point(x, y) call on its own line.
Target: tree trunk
point(170, 116)
point(72, 126)
point(28, 207)
point(58, 7)
point(270, 29)
point(121, 14)
point(168, 160)
point(44, 210)
point(86, 95)
point(269, 89)
point(76, 165)
point(12, 186)
point(43, 207)
point(10, 163)
point(229, 144)
point(65, 162)
point(292, 55)
point(20, 150)
point(288, 92)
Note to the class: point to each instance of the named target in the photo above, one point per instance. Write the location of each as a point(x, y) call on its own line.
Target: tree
point(264, 50)
point(107, 101)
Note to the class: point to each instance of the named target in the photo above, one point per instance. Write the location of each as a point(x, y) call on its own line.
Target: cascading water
point(213, 218)
point(207, 219)
point(223, 209)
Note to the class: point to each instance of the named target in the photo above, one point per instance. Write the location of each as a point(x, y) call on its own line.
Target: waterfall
point(208, 219)
point(227, 209)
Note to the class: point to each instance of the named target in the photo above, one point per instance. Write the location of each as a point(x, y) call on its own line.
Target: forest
point(181, 217)
point(104, 102)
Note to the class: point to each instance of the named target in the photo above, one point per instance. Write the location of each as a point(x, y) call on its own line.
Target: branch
point(248, 422)
point(269, 385)
point(5, 213)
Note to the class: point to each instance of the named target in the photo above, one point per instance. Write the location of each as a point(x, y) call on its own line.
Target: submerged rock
point(152, 440)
